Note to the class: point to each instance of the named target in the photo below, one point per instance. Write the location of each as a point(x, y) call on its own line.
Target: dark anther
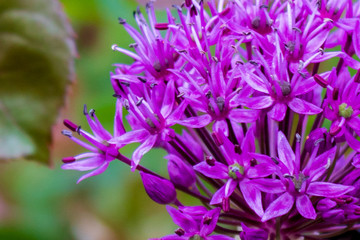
point(66, 133)
point(116, 95)
point(142, 79)
point(153, 85)
point(335, 94)
point(121, 20)
point(126, 104)
point(207, 220)
point(180, 232)
point(237, 149)
point(139, 101)
point(85, 110)
point(253, 162)
point(208, 94)
point(182, 51)
point(264, 6)
point(193, 11)
point(275, 160)
point(92, 112)
point(285, 88)
point(215, 59)
point(297, 29)
point(125, 84)
point(210, 160)
point(133, 45)
point(253, 63)
point(180, 95)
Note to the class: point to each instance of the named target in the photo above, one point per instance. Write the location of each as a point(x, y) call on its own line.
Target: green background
point(37, 202)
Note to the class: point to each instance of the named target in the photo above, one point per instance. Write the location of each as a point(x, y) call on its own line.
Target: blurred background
point(37, 202)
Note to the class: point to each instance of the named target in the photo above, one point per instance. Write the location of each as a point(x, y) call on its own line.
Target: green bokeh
point(41, 203)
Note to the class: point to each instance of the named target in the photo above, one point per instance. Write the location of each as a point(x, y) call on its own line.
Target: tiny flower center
point(285, 88)
point(345, 110)
point(234, 170)
point(196, 237)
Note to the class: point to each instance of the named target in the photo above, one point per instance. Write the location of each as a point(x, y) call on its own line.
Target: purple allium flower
point(102, 152)
point(301, 184)
point(195, 223)
point(256, 104)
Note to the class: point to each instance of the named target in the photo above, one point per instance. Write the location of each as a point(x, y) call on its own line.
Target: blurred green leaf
point(36, 66)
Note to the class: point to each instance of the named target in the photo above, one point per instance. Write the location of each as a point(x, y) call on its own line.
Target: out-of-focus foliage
point(36, 66)
point(41, 203)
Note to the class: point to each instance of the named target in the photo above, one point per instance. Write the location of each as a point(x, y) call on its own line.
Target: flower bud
point(180, 173)
point(160, 190)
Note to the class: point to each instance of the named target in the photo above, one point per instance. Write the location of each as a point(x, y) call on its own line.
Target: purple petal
point(208, 228)
point(286, 154)
point(279, 207)
point(84, 165)
point(356, 38)
point(258, 102)
point(218, 171)
point(325, 204)
point(305, 207)
point(278, 112)
point(354, 123)
point(230, 186)
point(219, 237)
point(131, 137)
point(252, 234)
point(221, 126)
point(195, 122)
point(326, 189)
point(269, 185)
point(168, 100)
point(171, 237)
point(248, 144)
point(182, 220)
point(97, 171)
point(243, 115)
point(261, 170)
point(352, 141)
point(302, 107)
point(252, 197)
point(141, 150)
point(256, 82)
point(218, 196)
point(176, 114)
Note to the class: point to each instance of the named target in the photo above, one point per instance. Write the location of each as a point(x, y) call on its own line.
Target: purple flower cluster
point(268, 96)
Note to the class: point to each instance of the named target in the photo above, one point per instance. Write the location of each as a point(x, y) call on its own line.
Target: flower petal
point(258, 102)
point(278, 112)
point(218, 196)
point(326, 189)
point(218, 171)
point(84, 165)
point(302, 107)
point(261, 170)
point(305, 207)
point(97, 171)
point(269, 185)
point(141, 150)
point(286, 154)
point(243, 115)
point(183, 220)
point(195, 122)
point(279, 207)
point(352, 141)
point(252, 197)
point(208, 228)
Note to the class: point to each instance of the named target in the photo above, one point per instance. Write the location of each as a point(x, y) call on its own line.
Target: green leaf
point(36, 65)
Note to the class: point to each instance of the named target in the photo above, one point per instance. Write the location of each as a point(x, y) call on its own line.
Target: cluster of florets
point(269, 141)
